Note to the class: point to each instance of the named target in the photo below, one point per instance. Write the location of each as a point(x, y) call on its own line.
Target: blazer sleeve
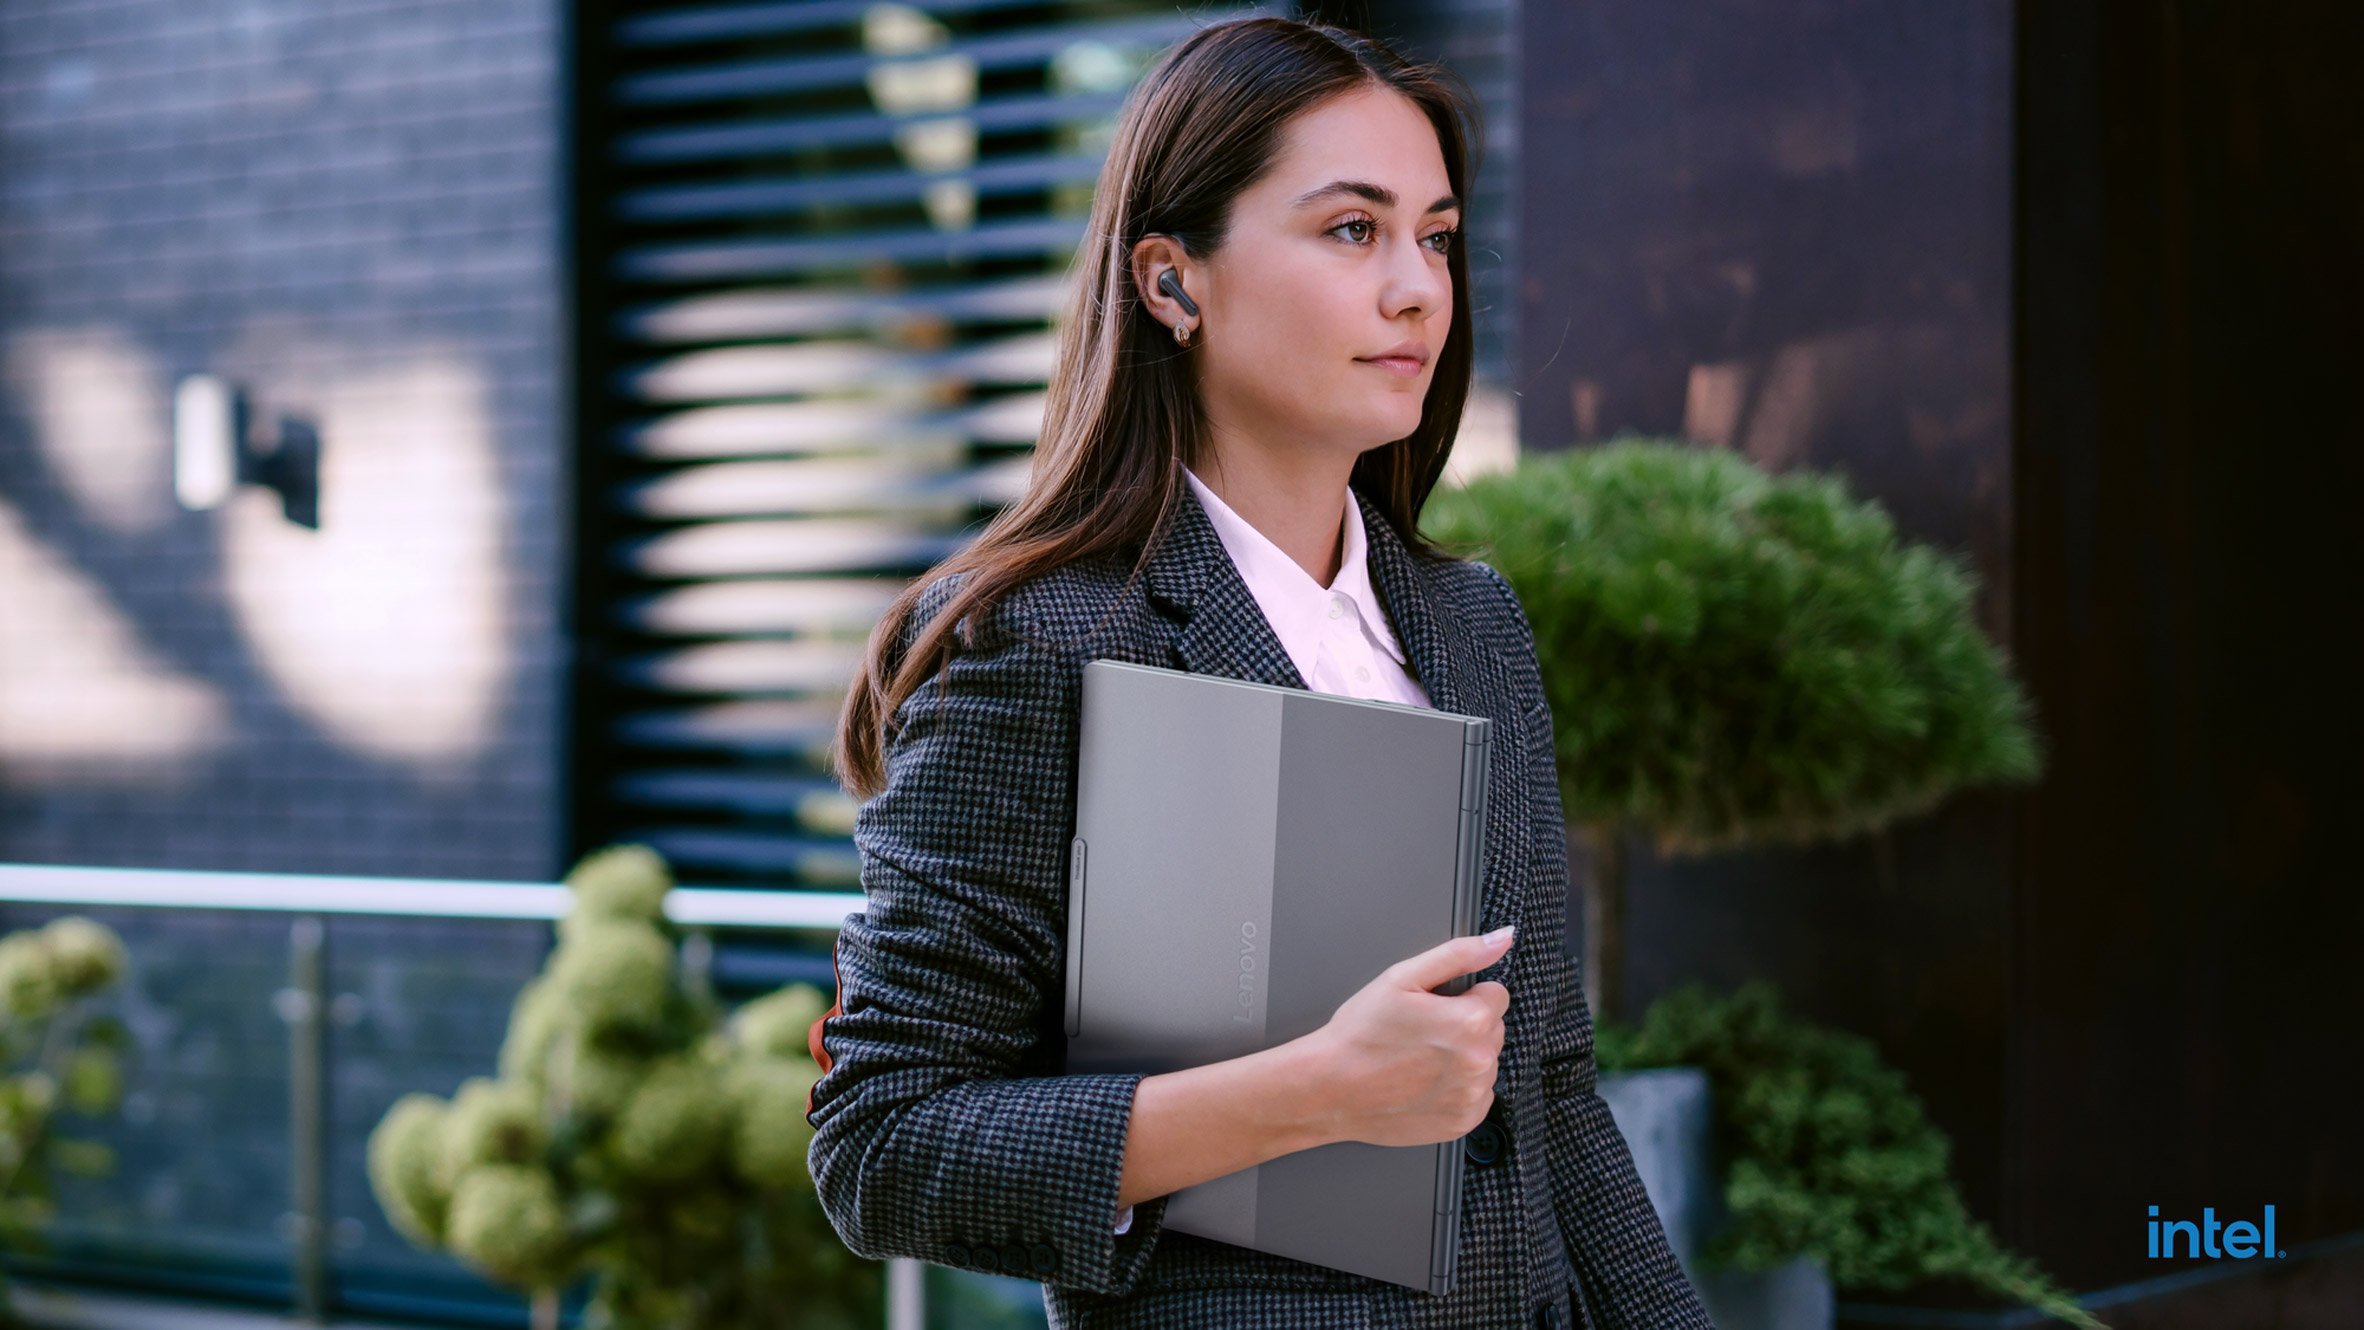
point(943, 1126)
point(1631, 1277)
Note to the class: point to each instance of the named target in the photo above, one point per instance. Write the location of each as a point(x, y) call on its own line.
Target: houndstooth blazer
point(943, 1127)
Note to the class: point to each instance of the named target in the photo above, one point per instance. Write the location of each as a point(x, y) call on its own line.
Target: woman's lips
point(1400, 366)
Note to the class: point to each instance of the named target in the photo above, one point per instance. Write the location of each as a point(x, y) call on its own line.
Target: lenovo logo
point(1247, 973)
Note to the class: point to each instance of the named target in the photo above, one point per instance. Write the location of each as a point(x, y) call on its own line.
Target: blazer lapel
point(1419, 623)
point(1437, 646)
point(1224, 631)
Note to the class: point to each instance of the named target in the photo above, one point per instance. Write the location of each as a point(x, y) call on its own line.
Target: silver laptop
point(1248, 856)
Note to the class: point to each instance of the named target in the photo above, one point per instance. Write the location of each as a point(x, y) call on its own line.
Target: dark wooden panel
point(1786, 229)
point(2188, 467)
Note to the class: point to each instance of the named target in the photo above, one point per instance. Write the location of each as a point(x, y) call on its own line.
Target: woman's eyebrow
point(1364, 189)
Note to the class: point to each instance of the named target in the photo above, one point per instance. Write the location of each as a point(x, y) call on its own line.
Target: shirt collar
point(1288, 595)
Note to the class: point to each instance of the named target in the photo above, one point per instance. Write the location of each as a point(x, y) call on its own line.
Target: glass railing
point(275, 1017)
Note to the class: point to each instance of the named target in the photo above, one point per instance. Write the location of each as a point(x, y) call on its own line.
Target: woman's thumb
point(1457, 956)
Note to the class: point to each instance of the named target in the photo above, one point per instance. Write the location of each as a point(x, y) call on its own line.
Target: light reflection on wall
point(98, 408)
point(84, 699)
point(387, 625)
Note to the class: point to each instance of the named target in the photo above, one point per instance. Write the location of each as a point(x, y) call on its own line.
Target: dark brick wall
point(352, 209)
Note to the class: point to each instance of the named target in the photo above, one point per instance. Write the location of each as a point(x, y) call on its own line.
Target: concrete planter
point(1665, 1115)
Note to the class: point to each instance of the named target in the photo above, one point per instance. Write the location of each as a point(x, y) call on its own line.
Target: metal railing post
point(906, 1294)
point(301, 1005)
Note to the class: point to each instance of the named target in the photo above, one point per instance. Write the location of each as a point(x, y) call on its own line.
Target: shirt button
point(1362, 672)
point(1337, 607)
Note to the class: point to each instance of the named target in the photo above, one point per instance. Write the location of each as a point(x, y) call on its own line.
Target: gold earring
point(1182, 333)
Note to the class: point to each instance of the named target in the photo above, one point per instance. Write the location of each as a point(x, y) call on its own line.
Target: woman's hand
point(1404, 1065)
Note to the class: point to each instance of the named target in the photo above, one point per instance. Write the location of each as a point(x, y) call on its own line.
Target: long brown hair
point(1124, 415)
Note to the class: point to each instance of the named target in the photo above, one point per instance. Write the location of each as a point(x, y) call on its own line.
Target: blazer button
point(987, 1258)
point(1485, 1143)
point(1046, 1259)
point(956, 1253)
point(1013, 1256)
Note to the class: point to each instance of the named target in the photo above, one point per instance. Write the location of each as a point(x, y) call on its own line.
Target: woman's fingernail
point(1501, 933)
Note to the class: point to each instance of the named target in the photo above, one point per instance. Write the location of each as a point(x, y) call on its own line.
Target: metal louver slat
point(784, 311)
point(712, 261)
point(752, 794)
point(783, 427)
point(754, 198)
point(1024, 49)
point(751, 489)
point(734, 549)
point(744, 669)
point(776, 369)
point(708, 23)
point(749, 429)
point(838, 606)
point(749, 729)
point(865, 129)
point(821, 248)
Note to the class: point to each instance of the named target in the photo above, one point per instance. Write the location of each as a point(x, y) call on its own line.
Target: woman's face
point(1316, 280)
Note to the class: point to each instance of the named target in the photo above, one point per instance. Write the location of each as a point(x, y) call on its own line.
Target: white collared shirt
point(1337, 635)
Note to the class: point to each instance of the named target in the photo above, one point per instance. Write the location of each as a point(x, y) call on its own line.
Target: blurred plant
point(1825, 1152)
point(58, 1056)
point(1734, 657)
point(634, 1135)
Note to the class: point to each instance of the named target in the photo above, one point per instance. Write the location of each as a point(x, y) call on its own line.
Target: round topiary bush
point(634, 1137)
point(1735, 657)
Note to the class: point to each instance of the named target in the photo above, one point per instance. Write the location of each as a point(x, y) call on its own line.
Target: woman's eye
point(1449, 236)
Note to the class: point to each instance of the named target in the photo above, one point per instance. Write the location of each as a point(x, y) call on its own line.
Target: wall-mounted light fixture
point(214, 451)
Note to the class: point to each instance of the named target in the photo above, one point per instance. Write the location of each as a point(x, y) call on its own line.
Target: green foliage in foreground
point(1825, 1151)
point(635, 1136)
point(59, 1058)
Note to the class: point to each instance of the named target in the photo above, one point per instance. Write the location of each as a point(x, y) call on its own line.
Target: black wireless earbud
point(1171, 284)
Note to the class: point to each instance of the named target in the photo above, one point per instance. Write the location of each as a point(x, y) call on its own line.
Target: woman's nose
point(1416, 283)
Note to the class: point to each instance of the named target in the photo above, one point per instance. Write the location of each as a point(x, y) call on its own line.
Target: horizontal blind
point(822, 248)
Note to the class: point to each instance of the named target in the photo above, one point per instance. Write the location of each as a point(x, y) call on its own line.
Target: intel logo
point(2240, 1239)
point(1247, 972)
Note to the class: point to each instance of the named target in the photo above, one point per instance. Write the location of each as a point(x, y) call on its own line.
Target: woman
point(1259, 374)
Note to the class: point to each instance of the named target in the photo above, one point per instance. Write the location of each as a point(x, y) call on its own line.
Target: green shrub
point(1733, 658)
point(1736, 657)
point(1825, 1151)
point(634, 1137)
point(59, 1058)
